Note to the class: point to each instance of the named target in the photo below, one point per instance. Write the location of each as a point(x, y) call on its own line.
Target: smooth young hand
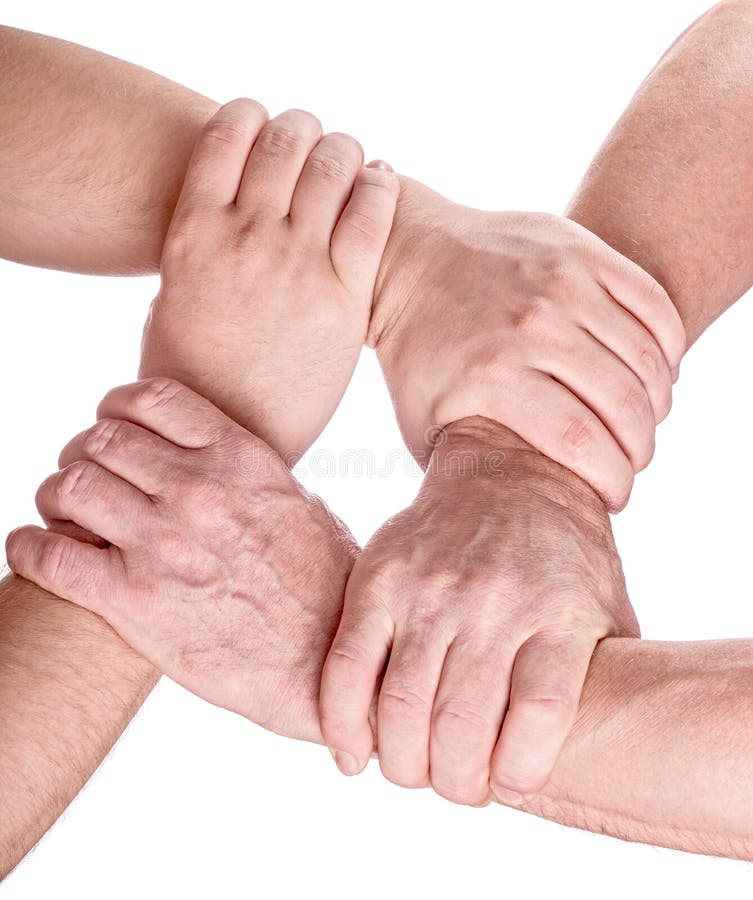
point(268, 271)
point(532, 321)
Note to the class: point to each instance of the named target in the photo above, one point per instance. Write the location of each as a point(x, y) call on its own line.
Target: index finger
point(642, 295)
point(170, 410)
point(216, 168)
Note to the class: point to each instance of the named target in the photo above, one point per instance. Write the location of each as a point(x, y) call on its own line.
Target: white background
point(499, 105)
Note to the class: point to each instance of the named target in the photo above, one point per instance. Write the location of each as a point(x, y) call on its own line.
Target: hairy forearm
point(93, 151)
point(660, 752)
point(672, 186)
point(68, 687)
point(92, 157)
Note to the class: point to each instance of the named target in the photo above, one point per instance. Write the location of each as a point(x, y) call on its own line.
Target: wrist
point(405, 256)
point(479, 447)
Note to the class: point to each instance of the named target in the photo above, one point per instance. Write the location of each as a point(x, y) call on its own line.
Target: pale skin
point(702, 47)
point(681, 207)
point(75, 646)
point(100, 201)
point(658, 753)
point(275, 243)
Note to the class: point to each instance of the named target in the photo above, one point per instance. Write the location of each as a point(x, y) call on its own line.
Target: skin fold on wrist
point(480, 447)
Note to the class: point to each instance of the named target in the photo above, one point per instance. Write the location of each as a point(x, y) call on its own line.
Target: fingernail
point(509, 798)
point(380, 164)
point(345, 762)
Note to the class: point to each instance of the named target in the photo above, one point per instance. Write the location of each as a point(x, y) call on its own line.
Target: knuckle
point(578, 434)
point(635, 400)
point(533, 315)
point(572, 609)
point(651, 360)
point(157, 393)
point(362, 222)
point(377, 180)
point(456, 718)
point(337, 729)
point(553, 269)
point(104, 435)
point(329, 167)
point(544, 708)
point(346, 663)
point(76, 479)
point(56, 562)
point(399, 701)
point(278, 140)
point(221, 133)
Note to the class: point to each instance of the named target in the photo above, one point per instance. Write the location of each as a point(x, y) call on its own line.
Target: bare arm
point(101, 201)
point(68, 687)
point(672, 186)
point(92, 156)
point(138, 224)
point(661, 752)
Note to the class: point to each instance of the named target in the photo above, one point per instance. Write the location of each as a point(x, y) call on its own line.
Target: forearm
point(92, 158)
point(93, 152)
point(68, 688)
point(660, 752)
point(672, 186)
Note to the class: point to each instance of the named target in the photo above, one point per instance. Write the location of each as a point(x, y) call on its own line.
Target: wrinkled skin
point(220, 569)
point(489, 591)
point(492, 588)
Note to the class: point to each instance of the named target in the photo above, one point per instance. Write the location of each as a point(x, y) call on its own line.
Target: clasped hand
point(456, 644)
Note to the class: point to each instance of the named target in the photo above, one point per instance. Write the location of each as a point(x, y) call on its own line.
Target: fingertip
point(524, 759)
point(506, 796)
point(360, 236)
point(17, 545)
point(346, 762)
point(546, 684)
point(380, 164)
point(618, 486)
point(616, 503)
point(11, 546)
point(348, 683)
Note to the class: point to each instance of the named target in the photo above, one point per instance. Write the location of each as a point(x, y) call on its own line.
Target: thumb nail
point(345, 762)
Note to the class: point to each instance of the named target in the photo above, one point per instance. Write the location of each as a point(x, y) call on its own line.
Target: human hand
point(268, 271)
point(491, 589)
point(530, 320)
point(221, 569)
